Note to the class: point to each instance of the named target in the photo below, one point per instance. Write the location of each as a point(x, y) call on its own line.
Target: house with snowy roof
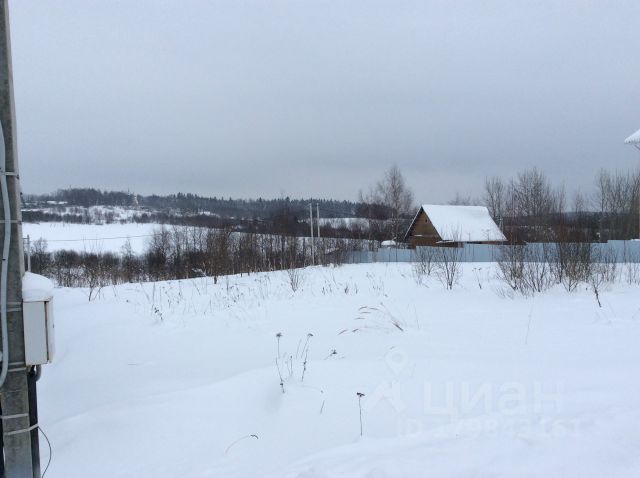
point(436, 225)
point(634, 139)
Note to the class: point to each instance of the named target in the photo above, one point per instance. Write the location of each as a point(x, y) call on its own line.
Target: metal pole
point(19, 423)
point(318, 218)
point(638, 148)
point(29, 253)
point(313, 261)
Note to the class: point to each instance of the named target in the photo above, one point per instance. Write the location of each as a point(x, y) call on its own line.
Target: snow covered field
point(180, 379)
point(90, 237)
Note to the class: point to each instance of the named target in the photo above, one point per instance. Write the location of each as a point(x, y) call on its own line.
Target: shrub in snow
point(295, 278)
point(290, 363)
point(571, 263)
point(424, 263)
point(602, 271)
point(632, 269)
point(525, 269)
point(448, 266)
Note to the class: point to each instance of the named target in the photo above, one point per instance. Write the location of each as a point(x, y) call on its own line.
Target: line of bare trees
point(532, 209)
point(617, 198)
point(529, 207)
point(534, 268)
point(531, 270)
point(180, 252)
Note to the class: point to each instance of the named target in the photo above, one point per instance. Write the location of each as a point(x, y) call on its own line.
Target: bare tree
point(295, 278)
point(535, 197)
point(537, 276)
point(495, 197)
point(425, 258)
point(157, 254)
point(93, 273)
point(616, 199)
point(511, 264)
point(393, 193)
point(631, 268)
point(448, 267)
point(526, 268)
point(424, 264)
point(534, 203)
point(129, 262)
point(571, 263)
point(40, 258)
point(602, 271)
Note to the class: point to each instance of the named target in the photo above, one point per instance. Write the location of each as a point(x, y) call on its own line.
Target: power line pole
point(29, 253)
point(313, 260)
point(19, 420)
point(318, 221)
point(638, 194)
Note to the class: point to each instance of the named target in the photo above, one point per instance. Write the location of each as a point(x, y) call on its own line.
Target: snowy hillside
point(183, 379)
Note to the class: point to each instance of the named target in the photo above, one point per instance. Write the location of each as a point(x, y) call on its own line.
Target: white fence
point(623, 251)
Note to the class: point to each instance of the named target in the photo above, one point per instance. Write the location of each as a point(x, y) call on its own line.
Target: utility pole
point(637, 145)
point(29, 253)
point(19, 420)
point(318, 239)
point(313, 261)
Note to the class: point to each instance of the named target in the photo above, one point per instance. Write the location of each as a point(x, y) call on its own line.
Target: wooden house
point(436, 225)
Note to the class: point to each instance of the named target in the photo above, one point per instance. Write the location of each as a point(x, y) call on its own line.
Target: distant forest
point(194, 204)
point(280, 216)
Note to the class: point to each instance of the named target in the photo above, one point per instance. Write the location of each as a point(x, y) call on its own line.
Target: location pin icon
point(396, 361)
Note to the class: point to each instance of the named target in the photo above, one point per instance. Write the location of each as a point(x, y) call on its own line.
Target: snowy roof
point(463, 223)
point(36, 288)
point(634, 138)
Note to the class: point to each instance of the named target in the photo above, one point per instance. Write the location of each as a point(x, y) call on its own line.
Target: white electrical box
point(37, 312)
point(38, 332)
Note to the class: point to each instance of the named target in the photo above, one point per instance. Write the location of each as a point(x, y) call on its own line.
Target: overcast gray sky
point(249, 98)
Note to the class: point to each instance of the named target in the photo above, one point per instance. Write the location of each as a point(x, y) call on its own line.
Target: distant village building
point(436, 225)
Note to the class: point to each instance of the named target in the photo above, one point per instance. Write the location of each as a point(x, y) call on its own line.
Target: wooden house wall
point(423, 232)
